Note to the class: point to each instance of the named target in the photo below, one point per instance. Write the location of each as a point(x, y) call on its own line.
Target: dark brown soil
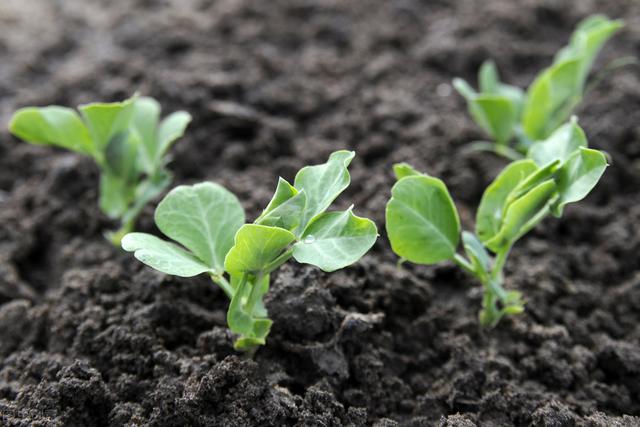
point(89, 336)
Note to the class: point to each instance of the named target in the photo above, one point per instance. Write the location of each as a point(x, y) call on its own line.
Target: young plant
point(506, 113)
point(209, 223)
point(127, 141)
point(423, 225)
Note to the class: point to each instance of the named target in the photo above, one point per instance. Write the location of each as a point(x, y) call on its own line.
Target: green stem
point(253, 295)
point(498, 263)
point(464, 264)
point(276, 263)
point(224, 284)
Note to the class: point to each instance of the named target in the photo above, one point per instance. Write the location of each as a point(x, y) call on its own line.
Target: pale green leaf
point(52, 125)
point(422, 221)
point(163, 256)
point(334, 240)
point(146, 114)
point(322, 184)
point(490, 212)
point(256, 246)
point(171, 128)
point(578, 176)
point(104, 120)
point(116, 194)
point(560, 145)
point(285, 208)
point(402, 170)
point(520, 214)
point(204, 218)
point(478, 254)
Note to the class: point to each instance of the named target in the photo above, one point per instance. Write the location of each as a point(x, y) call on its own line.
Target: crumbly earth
point(89, 336)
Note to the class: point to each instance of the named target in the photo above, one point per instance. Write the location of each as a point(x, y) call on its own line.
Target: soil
point(89, 336)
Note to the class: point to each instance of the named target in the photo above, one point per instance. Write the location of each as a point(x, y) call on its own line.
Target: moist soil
point(91, 337)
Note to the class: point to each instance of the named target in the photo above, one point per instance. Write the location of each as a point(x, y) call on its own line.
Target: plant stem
point(223, 283)
point(253, 294)
point(464, 264)
point(276, 263)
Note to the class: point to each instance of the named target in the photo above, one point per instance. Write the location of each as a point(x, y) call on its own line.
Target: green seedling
point(127, 141)
point(423, 225)
point(208, 223)
point(507, 114)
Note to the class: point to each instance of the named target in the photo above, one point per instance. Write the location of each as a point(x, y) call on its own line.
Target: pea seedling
point(506, 113)
point(125, 139)
point(424, 228)
point(209, 222)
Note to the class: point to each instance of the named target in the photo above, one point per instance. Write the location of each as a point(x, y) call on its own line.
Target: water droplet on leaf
point(309, 239)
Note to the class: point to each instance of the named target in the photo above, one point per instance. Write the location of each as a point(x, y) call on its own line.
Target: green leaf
point(476, 252)
point(116, 194)
point(163, 256)
point(550, 99)
point(120, 156)
point(52, 125)
point(587, 41)
point(402, 170)
point(285, 208)
point(252, 330)
point(146, 114)
point(204, 218)
point(256, 246)
point(522, 214)
point(322, 184)
point(490, 212)
point(488, 78)
point(171, 128)
point(259, 309)
point(422, 221)
point(578, 176)
point(104, 120)
point(496, 114)
point(533, 180)
point(334, 240)
point(560, 145)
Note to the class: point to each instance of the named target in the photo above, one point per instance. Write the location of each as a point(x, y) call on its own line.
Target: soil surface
point(89, 336)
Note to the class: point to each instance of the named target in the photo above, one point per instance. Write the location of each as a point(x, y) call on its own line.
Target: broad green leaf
point(322, 184)
point(560, 145)
point(52, 125)
point(163, 256)
point(120, 156)
point(550, 99)
point(286, 215)
point(334, 240)
point(116, 194)
point(204, 218)
point(496, 114)
point(478, 254)
point(422, 221)
point(402, 170)
point(520, 213)
point(104, 120)
point(533, 180)
point(577, 177)
point(171, 128)
point(285, 208)
point(146, 115)
point(490, 212)
point(256, 246)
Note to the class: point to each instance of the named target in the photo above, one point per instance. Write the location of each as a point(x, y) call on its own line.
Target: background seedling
point(127, 141)
point(506, 113)
point(209, 224)
point(423, 225)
